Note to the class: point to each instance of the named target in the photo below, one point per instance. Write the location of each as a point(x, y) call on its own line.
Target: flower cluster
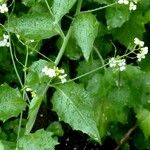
point(118, 63)
point(55, 72)
point(3, 8)
point(143, 50)
point(5, 41)
point(33, 93)
point(132, 4)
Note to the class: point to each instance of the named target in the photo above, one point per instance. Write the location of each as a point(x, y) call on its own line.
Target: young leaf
point(74, 106)
point(11, 102)
point(61, 7)
point(33, 26)
point(85, 29)
point(143, 116)
point(40, 140)
point(131, 29)
point(116, 16)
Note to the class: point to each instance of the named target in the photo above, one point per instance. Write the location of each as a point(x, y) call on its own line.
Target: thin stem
point(66, 39)
point(125, 138)
point(79, 4)
point(26, 62)
point(83, 75)
point(100, 56)
point(13, 61)
point(100, 8)
point(63, 47)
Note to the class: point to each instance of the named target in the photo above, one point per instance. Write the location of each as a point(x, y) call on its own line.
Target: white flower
point(49, 72)
point(63, 78)
point(144, 50)
point(132, 6)
point(122, 64)
point(5, 36)
point(3, 8)
point(5, 41)
point(112, 62)
point(120, 1)
point(117, 63)
point(126, 2)
point(138, 42)
point(140, 56)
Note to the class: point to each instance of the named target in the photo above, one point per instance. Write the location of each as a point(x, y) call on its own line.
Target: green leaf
point(29, 2)
point(33, 26)
point(34, 78)
point(61, 7)
point(85, 29)
point(11, 102)
point(40, 140)
point(143, 116)
point(6, 145)
point(33, 110)
point(85, 67)
point(112, 108)
point(131, 29)
point(72, 100)
point(116, 16)
point(111, 100)
point(72, 50)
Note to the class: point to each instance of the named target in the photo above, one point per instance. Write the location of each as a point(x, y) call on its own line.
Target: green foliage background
point(76, 36)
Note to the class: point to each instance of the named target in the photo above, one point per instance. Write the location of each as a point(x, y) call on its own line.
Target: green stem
point(63, 47)
point(83, 75)
point(101, 58)
point(66, 39)
point(100, 8)
point(13, 61)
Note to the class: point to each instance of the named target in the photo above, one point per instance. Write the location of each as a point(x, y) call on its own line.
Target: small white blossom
point(138, 42)
point(117, 63)
point(3, 8)
point(5, 36)
point(55, 72)
point(142, 53)
point(49, 72)
point(112, 62)
point(122, 64)
point(62, 78)
point(126, 2)
point(144, 50)
point(5, 41)
point(132, 6)
point(140, 56)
